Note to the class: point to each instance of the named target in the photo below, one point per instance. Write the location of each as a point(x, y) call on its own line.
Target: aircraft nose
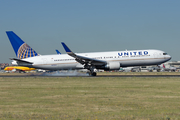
point(168, 57)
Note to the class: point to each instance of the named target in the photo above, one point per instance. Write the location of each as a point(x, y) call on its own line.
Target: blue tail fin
point(21, 49)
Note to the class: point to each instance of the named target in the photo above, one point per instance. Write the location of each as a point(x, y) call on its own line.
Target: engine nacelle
point(112, 66)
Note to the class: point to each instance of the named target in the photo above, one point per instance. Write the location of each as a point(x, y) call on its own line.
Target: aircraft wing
point(89, 60)
point(82, 59)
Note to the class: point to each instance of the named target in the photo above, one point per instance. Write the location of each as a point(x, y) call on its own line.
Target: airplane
point(93, 61)
point(18, 68)
point(168, 68)
point(58, 52)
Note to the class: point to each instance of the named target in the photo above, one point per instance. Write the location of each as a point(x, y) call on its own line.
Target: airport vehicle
point(18, 68)
point(130, 69)
point(26, 56)
point(156, 68)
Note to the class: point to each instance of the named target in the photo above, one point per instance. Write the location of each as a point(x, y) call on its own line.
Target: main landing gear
point(92, 70)
point(92, 74)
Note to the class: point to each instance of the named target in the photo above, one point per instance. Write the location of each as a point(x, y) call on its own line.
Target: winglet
point(66, 47)
point(58, 52)
point(68, 51)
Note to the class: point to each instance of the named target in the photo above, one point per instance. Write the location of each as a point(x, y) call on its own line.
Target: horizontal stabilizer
point(21, 61)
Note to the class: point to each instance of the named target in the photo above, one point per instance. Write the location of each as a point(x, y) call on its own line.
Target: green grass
point(103, 73)
point(83, 98)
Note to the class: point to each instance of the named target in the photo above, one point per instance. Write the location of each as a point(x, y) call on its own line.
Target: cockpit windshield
point(164, 53)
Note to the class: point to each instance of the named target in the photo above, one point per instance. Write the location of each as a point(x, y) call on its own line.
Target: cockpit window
point(164, 53)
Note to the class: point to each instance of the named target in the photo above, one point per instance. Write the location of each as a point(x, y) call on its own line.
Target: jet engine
point(112, 66)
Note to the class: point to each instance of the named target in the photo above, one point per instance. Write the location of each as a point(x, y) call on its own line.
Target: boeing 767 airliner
point(26, 56)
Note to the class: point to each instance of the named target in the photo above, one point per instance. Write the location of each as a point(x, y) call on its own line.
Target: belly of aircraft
point(144, 62)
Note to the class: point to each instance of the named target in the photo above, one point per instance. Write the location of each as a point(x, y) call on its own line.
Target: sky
point(91, 25)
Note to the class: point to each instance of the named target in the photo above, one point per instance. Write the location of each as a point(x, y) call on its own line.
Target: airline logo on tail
point(21, 49)
point(25, 51)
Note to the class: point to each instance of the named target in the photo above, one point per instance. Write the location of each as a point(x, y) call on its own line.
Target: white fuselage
point(125, 58)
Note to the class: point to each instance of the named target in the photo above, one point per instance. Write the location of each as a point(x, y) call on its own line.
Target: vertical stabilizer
point(21, 49)
point(164, 66)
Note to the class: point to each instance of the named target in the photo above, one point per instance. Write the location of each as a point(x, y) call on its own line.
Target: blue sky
point(91, 25)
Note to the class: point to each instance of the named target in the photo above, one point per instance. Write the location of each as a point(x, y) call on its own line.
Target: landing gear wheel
point(93, 74)
point(88, 73)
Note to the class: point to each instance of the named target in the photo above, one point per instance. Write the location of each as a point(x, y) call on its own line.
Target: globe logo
point(26, 51)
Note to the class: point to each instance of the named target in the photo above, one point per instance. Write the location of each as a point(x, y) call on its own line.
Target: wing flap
point(90, 60)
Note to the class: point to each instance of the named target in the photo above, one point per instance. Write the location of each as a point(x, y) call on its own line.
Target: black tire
point(94, 74)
